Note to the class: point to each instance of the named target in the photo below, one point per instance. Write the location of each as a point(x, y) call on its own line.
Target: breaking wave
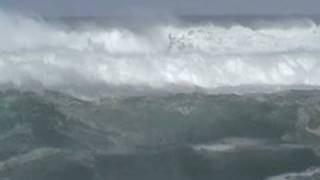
point(49, 130)
point(38, 54)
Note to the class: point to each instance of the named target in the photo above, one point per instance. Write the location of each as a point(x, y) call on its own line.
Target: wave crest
point(37, 53)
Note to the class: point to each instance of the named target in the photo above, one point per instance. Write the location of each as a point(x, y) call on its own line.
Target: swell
point(186, 136)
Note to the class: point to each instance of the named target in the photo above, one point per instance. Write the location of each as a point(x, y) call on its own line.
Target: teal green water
point(54, 136)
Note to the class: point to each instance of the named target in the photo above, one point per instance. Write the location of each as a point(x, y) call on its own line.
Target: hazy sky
point(127, 7)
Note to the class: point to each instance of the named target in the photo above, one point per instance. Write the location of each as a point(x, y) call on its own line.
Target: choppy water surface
point(192, 136)
point(220, 98)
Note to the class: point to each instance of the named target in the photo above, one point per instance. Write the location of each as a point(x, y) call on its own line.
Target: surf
point(174, 57)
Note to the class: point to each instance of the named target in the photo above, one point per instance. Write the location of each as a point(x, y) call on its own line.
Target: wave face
point(174, 56)
point(198, 137)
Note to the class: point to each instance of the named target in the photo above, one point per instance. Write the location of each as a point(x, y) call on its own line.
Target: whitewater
point(177, 98)
point(87, 59)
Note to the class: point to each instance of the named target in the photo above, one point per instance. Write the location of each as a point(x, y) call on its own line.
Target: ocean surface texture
point(188, 98)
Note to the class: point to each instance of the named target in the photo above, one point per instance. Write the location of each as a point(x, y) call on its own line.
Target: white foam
point(214, 147)
point(315, 132)
point(35, 54)
point(229, 144)
point(28, 157)
point(311, 173)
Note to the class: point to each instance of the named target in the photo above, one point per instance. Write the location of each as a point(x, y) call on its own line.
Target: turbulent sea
point(188, 98)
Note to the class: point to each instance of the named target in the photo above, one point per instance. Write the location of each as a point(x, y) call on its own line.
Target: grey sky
point(127, 7)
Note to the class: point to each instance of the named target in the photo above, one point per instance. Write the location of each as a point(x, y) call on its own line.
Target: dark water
point(53, 136)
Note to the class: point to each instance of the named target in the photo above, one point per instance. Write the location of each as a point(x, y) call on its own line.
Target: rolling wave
point(39, 54)
point(50, 130)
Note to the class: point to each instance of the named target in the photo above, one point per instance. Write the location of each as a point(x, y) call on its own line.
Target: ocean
point(150, 98)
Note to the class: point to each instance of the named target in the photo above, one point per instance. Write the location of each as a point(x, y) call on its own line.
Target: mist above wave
point(35, 54)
